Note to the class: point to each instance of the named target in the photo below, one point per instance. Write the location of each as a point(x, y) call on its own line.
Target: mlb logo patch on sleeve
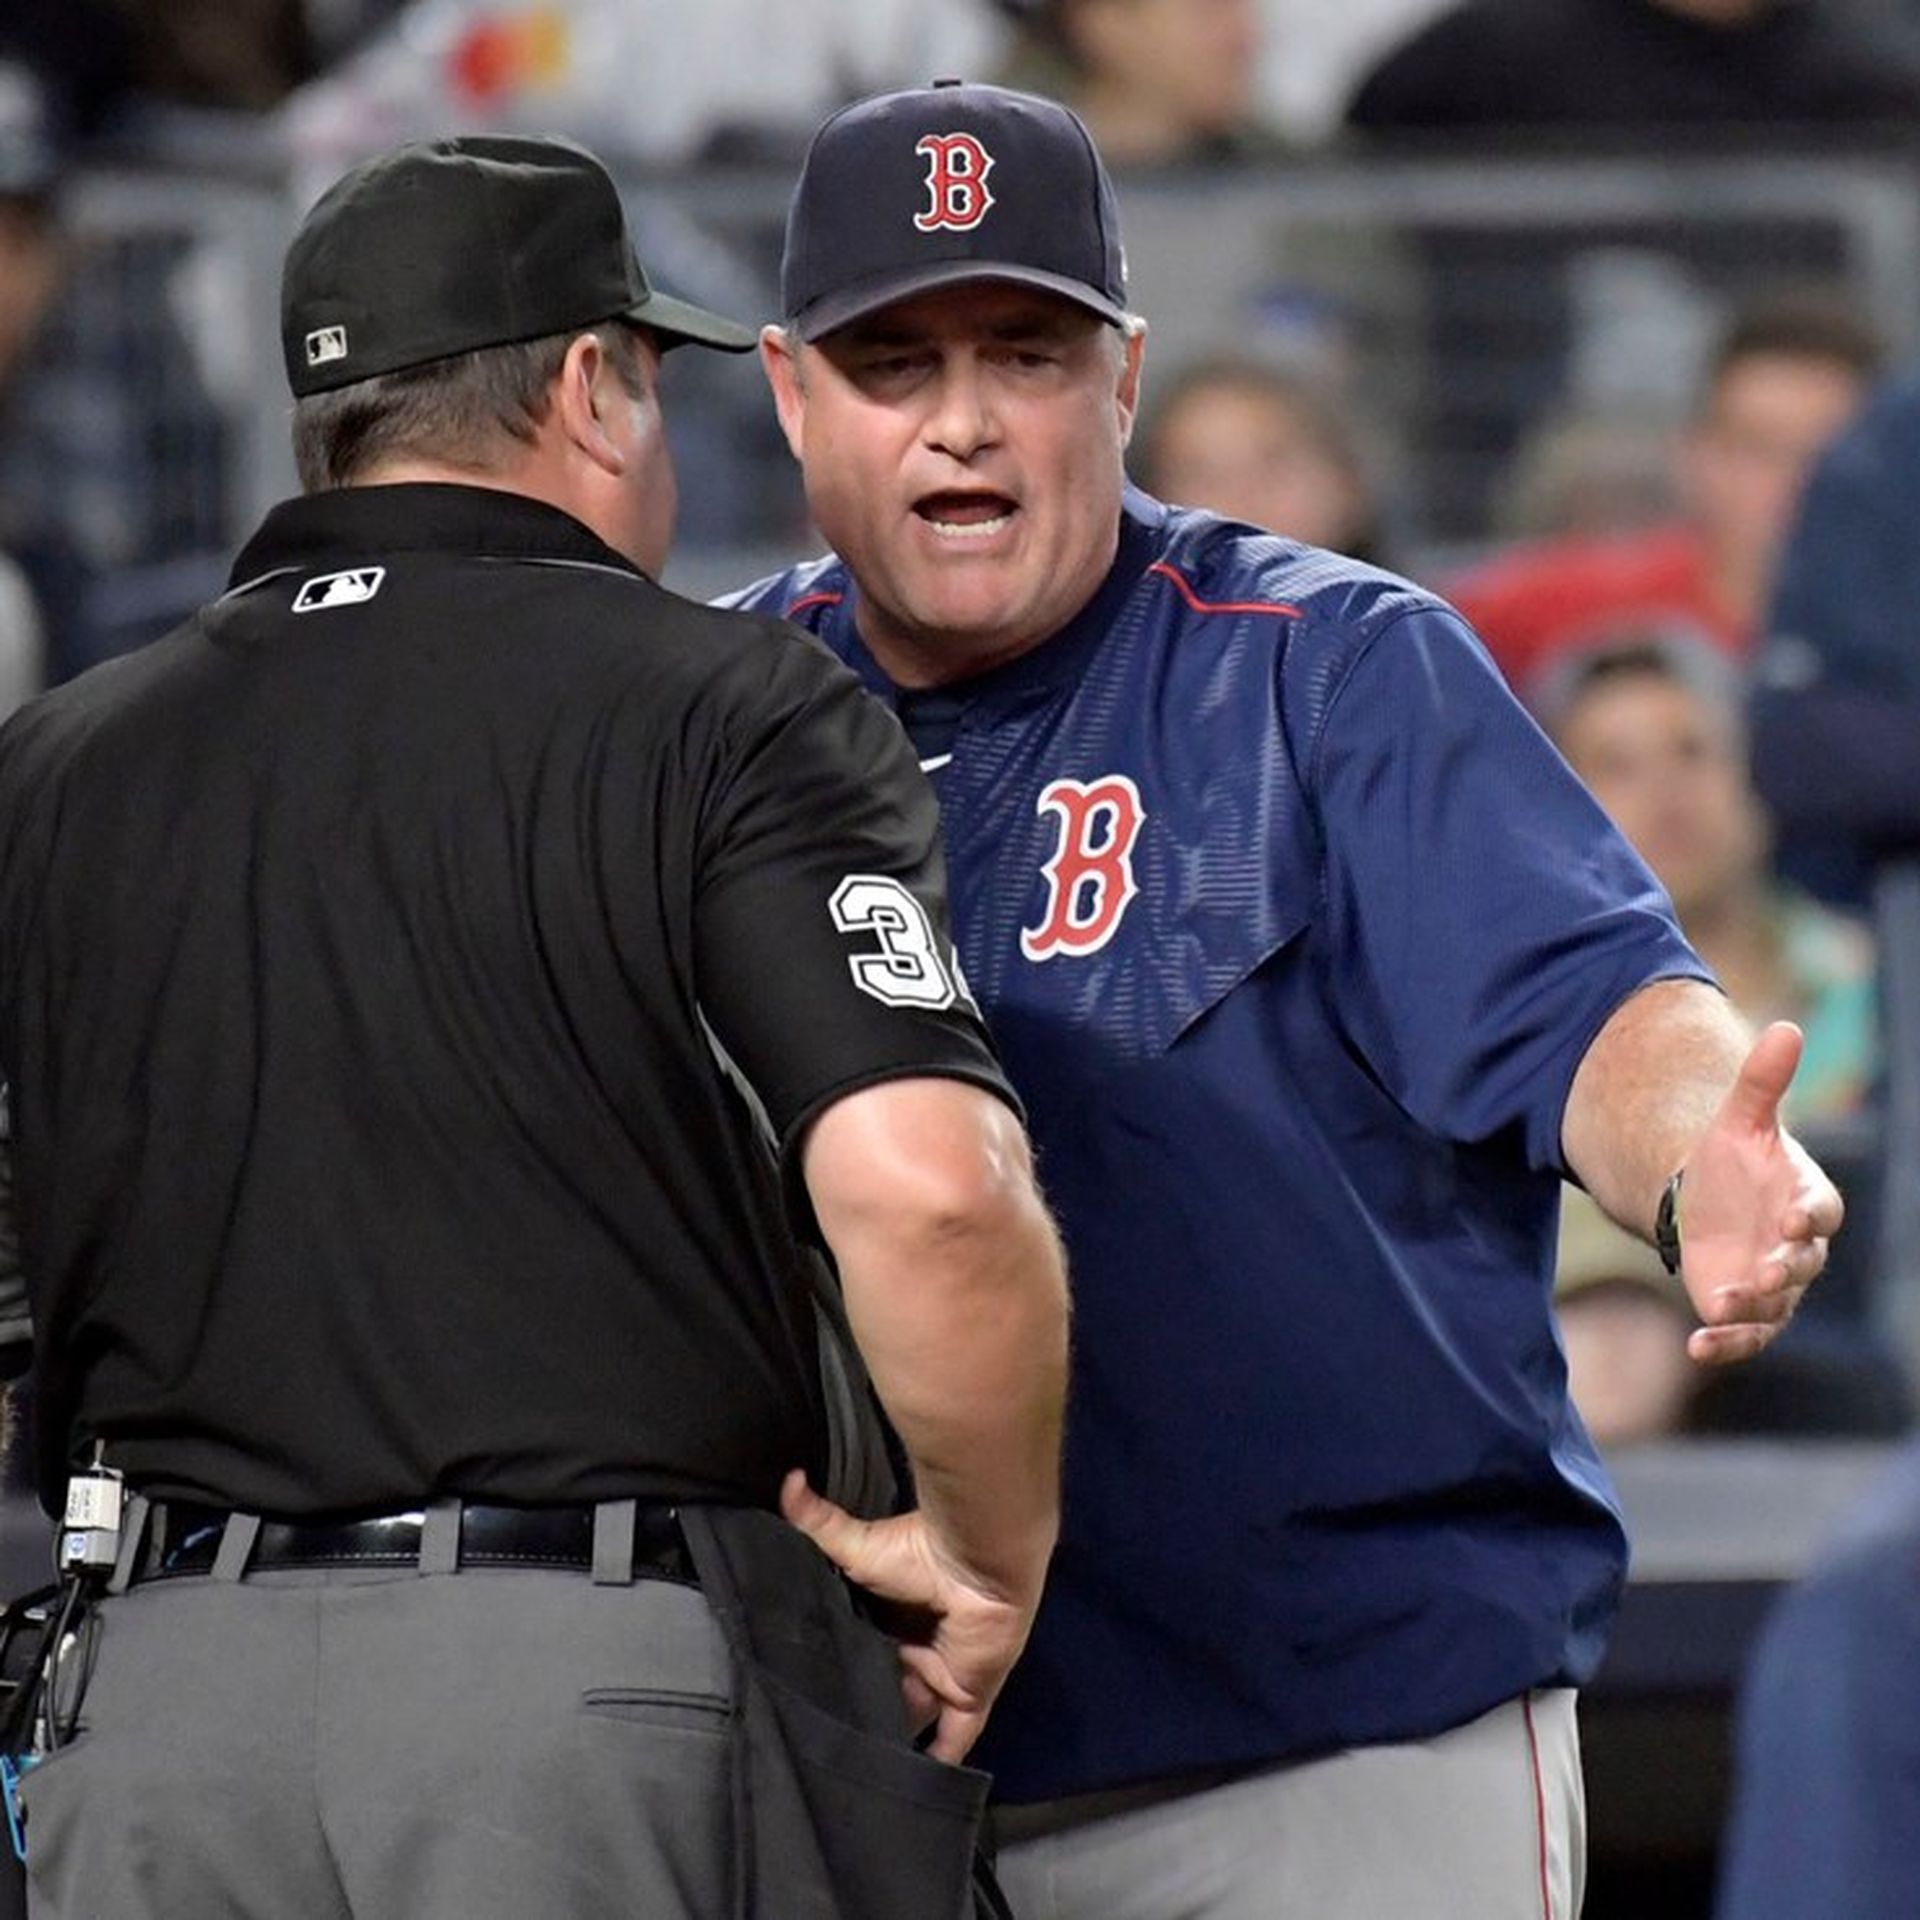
point(347, 589)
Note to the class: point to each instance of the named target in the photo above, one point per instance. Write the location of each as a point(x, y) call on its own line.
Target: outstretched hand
point(1756, 1211)
point(955, 1637)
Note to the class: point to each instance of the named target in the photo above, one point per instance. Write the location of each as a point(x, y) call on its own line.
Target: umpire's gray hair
point(470, 410)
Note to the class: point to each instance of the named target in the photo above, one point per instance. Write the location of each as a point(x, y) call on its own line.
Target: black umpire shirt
point(411, 970)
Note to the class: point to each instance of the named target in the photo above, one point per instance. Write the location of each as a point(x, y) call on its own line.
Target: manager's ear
point(780, 357)
point(1133, 350)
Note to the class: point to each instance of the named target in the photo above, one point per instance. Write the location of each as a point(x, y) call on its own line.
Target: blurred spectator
point(647, 81)
point(30, 271)
point(1836, 719)
point(1587, 473)
point(240, 54)
point(30, 246)
point(1826, 1807)
point(1609, 67)
point(1262, 444)
point(1653, 728)
point(1158, 82)
point(336, 27)
point(1317, 50)
point(65, 65)
point(78, 52)
point(113, 469)
point(1624, 1322)
point(1787, 373)
point(1836, 711)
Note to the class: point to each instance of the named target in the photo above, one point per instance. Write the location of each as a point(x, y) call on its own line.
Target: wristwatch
point(1666, 1223)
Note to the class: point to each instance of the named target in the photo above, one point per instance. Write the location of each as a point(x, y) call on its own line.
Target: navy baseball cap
point(444, 246)
point(904, 192)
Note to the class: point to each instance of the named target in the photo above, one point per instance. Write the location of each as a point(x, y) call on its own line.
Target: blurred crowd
point(1598, 437)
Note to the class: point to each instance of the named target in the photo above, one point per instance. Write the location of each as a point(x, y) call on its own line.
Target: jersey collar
point(420, 516)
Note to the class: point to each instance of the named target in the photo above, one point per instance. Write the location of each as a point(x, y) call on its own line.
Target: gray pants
point(1486, 1822)
point(390, 1746)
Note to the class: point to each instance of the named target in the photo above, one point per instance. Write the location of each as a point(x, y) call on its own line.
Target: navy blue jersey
point(1293, 929)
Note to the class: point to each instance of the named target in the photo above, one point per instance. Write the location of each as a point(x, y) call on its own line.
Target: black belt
point(187, 1539)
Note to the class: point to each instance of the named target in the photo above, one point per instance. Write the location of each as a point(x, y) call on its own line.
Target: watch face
point(1666, 1226)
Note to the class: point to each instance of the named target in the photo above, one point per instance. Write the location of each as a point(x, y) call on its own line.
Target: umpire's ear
point(780, 356)
point(591, 396)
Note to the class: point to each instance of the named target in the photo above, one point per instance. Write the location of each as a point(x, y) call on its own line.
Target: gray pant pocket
point(660, 1707)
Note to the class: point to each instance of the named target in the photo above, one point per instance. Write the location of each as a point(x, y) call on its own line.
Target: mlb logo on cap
point(326, 343)
point(905, 192)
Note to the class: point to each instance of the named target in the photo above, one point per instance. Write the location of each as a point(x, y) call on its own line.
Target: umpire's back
point(352, 988)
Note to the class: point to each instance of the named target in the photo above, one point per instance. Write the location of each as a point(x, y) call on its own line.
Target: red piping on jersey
point(807, 600)
point(1219, 606)
point(1539, 1806)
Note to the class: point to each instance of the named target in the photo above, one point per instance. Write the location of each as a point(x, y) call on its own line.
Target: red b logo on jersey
point(957, 196)
point(1090, 879)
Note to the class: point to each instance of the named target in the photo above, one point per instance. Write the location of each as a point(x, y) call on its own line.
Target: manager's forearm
point(1644, 1093)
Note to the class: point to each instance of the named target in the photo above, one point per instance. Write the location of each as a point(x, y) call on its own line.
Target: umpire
point(443, 987)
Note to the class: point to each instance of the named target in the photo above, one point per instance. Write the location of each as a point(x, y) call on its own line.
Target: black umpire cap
point(443, 246)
